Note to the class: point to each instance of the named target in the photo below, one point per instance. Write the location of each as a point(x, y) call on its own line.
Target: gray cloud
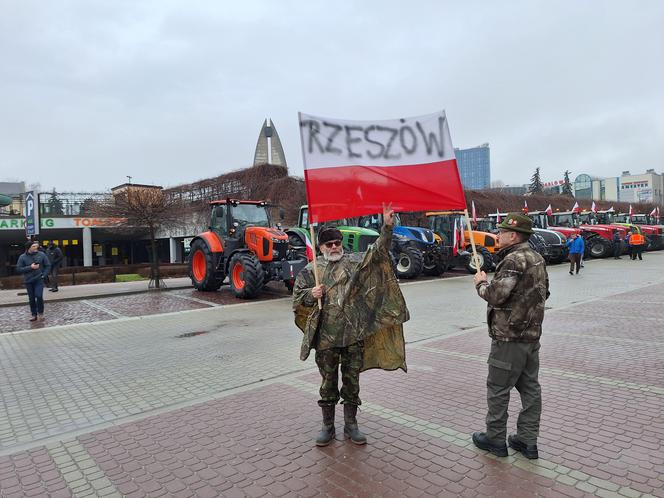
point(171, 92)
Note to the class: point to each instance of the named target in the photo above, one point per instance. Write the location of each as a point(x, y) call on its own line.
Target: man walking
point(35, 267)
point(515, 311)
point(359, 326)
point(55, 257)
point(576, 249)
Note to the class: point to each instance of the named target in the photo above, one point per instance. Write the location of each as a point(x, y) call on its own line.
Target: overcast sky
point(170, 92)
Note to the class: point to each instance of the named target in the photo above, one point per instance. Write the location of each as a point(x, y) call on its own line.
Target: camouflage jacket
point(362, 302)
point(516, 295)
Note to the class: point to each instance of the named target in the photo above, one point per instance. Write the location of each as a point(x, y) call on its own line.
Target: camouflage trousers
point(328, 361)
point(513, 364)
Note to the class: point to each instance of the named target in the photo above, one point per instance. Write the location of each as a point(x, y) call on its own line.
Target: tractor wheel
point(434, 264)
point(202, 269)
point(246, 275)
point(486, 261)
point(409, 262)
point(600, 248)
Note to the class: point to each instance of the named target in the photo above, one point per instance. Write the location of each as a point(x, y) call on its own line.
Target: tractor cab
point(443, 223)
point(355, 239)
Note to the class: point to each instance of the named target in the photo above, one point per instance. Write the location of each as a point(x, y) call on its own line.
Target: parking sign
point(31, 213)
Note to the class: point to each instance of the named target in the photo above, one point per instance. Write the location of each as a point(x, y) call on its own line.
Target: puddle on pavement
point(191, 334)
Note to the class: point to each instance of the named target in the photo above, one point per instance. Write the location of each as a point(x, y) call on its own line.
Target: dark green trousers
point(328, 361)
point(513, 364)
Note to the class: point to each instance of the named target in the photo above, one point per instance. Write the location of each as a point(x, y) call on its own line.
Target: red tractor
point(242, 245)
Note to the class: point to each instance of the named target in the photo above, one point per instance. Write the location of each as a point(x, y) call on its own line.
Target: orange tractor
point(242, 245)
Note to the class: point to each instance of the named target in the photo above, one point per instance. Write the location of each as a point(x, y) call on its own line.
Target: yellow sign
point(114, 251)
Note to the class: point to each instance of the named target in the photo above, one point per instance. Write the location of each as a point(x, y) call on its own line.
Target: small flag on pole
point(474, 212)
point(653, 212)
point(455, 242)
point(548, 210)
point(498, 218)
point(525, 207)
point(631, 212)
point(593, 208)
point(576, 208)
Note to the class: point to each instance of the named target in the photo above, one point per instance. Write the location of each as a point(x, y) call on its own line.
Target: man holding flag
point(515, 311)
point(359, 326)
point(350, 307)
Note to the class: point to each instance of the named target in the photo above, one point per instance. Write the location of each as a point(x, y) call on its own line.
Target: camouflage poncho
point(362, 302)
point(516, 295)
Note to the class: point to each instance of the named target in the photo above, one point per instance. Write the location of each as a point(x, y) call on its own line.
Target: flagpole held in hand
point(313, 240)
point(472, 243)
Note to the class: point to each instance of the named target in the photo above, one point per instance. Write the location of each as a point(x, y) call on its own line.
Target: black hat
point(517, 222)
point(326, 234)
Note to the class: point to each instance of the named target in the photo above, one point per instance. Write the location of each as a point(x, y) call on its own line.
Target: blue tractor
point(414, 249)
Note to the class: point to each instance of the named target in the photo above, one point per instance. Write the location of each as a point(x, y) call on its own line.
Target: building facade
point(474, 166)
point(646, 187)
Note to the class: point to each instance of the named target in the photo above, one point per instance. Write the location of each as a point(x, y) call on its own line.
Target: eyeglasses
point(332, 243)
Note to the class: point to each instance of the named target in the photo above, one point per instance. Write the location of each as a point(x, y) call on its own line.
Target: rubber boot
point(326, 434)
point(350, 425)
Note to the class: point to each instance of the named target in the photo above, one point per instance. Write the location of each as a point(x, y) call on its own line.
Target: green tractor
point(355, 239)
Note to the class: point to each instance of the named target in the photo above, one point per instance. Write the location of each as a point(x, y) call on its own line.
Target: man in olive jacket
point(515, 312)
point(359, 326)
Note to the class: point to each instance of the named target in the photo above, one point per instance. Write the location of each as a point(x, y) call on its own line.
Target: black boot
point(350, 425)
point(326, 434)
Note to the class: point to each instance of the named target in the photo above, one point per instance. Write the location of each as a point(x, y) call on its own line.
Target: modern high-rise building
point(474, 166)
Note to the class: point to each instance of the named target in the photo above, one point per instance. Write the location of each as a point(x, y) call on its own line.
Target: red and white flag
point(498, 218)
point(576, 208)
point(525, 207)
point(593, 208)
point(653, 212)
point(310, 250)
point(631, 212)
point(472, 203)
point(455, 242)
point(611, 210)
point(352, 167)
point(548, 210)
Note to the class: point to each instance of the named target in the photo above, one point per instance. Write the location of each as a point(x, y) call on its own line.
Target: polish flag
point(310, 250)
point(455, 242)
point(611, 210)
point(548, 210)
point(631, 212)
point(593, 208)
point(576, 208)
point(525, 207)
point(653, 212)
point(474, 212)
point(352, 167)
point(498, 218)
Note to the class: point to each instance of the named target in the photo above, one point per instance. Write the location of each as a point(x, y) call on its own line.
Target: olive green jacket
point(362, 302)
point(516, 295)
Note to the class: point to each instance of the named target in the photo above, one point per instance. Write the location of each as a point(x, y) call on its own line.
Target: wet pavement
point(85, 310)
point(215, 402)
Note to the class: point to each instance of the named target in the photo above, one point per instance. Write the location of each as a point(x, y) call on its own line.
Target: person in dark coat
point(35, 267)
point(55, 257)
point(617, 244)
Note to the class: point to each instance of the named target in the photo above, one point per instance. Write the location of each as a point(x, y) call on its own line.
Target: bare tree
point(147, 207)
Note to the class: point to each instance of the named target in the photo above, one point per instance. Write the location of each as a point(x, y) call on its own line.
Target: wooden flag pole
point(313, 243)
point(472, 243)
